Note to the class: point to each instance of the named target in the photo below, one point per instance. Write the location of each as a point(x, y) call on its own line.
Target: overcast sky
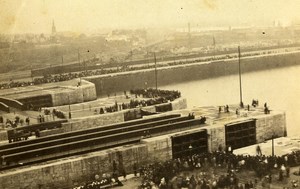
point(35, 16)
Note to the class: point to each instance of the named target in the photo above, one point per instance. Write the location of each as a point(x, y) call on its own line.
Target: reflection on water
point(280, 88)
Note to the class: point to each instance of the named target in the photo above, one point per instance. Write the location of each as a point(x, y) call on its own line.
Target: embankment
point(109, 84)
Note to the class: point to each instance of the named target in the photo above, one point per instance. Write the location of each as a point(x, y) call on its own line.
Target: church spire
point(53, 28)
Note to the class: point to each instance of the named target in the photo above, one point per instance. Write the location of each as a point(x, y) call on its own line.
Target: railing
point(4, 107)
point(12, 103)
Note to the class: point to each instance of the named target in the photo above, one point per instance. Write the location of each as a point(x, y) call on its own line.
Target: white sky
point(35, 16)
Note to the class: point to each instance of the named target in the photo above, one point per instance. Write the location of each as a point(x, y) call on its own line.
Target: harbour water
point(279, 88)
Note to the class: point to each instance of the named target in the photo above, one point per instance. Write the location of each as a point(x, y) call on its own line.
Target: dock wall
point(66, 173)
point(114, 117)
point(69, 172)
point(74, 94)
point(109, 84)
point(3, 134)
point(270, 124)
point(216, 137)
point(93, 121)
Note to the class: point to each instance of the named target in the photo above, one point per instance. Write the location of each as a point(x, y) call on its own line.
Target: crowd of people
point(165, 175)
point(104, 182)
point(156, 97)
point(152, 93)
point(204, 171)
point(14, 123)
point(69, 76)
point(55, 113)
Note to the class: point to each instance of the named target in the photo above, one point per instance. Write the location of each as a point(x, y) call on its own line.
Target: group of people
point(167, 174)
point(107, 180)
point(55, 113)
point(225, 108)
point(152, 93)
point(104, 182)
point(14, 123)
point(156, 97)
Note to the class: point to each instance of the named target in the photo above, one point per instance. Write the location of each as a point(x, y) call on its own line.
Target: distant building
point(53, 28)
point(54, 34)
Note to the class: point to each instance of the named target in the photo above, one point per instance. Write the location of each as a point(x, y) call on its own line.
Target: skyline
point(35, 16)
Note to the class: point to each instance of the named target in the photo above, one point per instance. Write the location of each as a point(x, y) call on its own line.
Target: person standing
point(258, 150)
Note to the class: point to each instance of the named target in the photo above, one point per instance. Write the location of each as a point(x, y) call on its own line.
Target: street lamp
point(273, 149)
point(273, 136)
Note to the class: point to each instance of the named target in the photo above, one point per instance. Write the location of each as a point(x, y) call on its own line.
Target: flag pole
point(214, 43)
point(240, 77)
point(155, 71)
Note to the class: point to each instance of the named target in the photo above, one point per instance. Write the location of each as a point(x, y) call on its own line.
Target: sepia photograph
point(149, 94)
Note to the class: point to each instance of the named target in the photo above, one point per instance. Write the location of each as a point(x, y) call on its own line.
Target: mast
point(78, 57)
point(214, 44)
point(79, 66)
point(240, 77)
point(155, 71)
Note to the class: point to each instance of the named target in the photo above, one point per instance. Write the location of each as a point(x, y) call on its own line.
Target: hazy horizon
point(35, 16)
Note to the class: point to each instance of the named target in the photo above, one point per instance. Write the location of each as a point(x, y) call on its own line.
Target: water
point(279, 88)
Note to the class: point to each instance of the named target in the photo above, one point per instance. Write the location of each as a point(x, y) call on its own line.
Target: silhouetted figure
point(258, 150)
point(27, 120)
point(37, 133)
point(266, 110)
point(253, 103)
point(227, 108)
point(202, 119)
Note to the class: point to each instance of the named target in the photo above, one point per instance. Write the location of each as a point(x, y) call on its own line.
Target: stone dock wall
point(73, 94)
point(100, 119)
point(115, 117)
point(270, 124)
point(109, 84)
point(68, 172)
